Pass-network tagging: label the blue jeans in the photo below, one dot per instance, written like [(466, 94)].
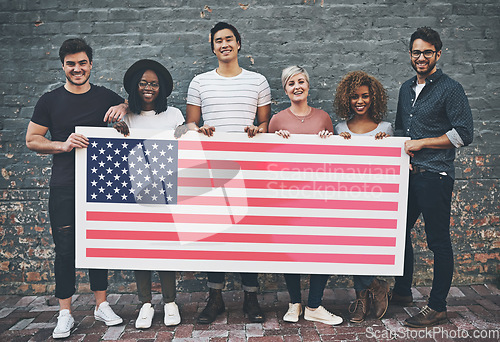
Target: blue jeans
[(62, 222), (430, 194), (316, 288), (249, 281), (362, 282)]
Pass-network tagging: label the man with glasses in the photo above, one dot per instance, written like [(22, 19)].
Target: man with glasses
[(434, 112)]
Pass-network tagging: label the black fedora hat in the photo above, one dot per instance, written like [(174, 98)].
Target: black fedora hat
[(147, 64)]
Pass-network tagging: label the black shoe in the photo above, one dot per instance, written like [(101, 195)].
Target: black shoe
[(215, 307), (252, 309), (426, 318), (397, 299)]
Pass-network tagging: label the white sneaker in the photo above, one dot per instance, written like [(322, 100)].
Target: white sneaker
[(145, 316), (293, 313), (106, 314), (172, 316), (322, 315), (65, 323)]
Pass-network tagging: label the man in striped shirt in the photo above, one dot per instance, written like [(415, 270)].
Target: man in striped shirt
[(229, 99)]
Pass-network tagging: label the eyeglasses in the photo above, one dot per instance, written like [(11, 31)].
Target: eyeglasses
[(153, 85), (427, 53)]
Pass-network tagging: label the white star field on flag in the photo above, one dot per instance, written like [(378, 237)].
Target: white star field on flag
[(132, 171)]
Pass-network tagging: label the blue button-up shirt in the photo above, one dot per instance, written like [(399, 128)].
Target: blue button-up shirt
[(441, 108)]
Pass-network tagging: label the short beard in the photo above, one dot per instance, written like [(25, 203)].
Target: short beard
[(430, 67), (77, 84)]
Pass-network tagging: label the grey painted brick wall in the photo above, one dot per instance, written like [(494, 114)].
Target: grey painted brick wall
[(328, 37)]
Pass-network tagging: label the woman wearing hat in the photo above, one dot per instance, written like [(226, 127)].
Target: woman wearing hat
[(148, 84)]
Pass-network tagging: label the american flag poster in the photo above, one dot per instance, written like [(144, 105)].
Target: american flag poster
[(233, 203)]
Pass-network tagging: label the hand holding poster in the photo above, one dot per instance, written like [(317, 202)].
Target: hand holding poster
[(230, 203)]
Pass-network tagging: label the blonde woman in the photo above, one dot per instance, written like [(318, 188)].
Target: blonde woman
[(300, 118)]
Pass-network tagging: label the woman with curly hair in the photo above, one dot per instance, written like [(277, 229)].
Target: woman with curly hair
[(361, 101)]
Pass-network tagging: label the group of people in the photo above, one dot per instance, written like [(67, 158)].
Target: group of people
[(432, 110)]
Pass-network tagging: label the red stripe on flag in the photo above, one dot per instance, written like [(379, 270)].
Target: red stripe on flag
[(368, 241), (288, 184), (291, 166), (371, 259), (288, 203), (245, 220), (378, 151)]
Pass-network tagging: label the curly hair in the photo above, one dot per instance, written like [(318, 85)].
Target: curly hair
[(349, 84)]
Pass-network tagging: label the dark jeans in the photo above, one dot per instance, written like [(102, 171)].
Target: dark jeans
[(62, 221), (317, 286), (362, 282), (248, 281), (430, 194), (167, 281)]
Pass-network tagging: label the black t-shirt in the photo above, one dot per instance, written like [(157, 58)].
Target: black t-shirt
[(60, 111)]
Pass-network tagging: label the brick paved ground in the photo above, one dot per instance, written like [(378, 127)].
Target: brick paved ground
[(472, 310)]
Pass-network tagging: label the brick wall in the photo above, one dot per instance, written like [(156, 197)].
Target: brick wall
[(328, 37)]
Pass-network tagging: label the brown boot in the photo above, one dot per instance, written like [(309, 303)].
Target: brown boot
[(215, 306), (359, 308), (379, 290)]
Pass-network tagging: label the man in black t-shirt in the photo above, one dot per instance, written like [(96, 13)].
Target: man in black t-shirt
[(77, 103)]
